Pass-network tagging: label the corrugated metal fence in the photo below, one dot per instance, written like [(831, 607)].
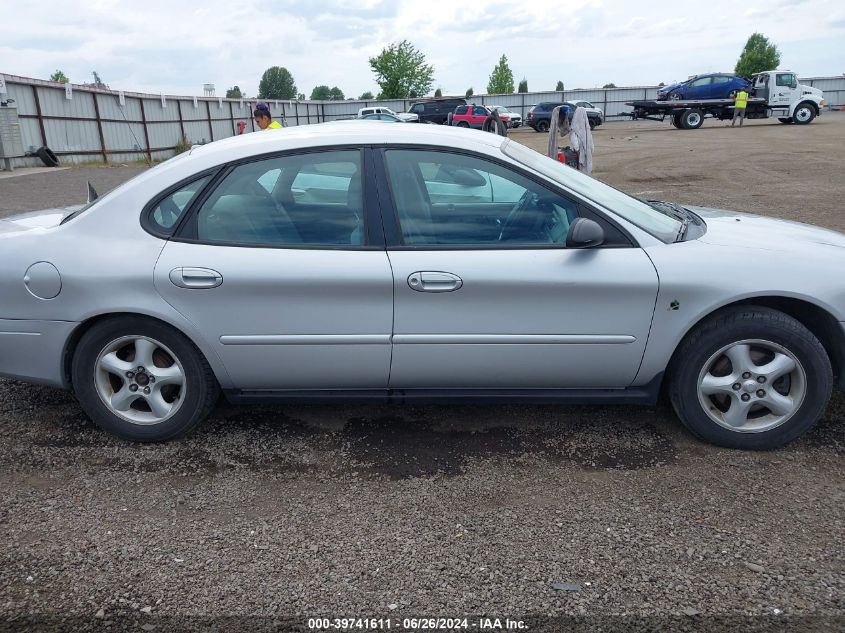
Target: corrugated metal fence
[(89, 124)]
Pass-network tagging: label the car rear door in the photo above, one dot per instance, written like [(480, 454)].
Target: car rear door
[(486, 294), (282, 269)]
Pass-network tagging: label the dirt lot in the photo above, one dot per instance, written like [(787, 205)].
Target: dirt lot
[(267, 516)]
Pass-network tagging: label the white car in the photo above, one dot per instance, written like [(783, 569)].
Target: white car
[(590, 108), (514, 117), (407, 117)]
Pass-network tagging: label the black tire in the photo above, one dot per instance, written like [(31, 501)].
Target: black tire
[(449, 119), (542, 126), (592, 123), (786, 120), (463, 124), (804, 113), (496, 127), (732, 326), (692, 119), (47, 156), (676, 120), (201, 388)]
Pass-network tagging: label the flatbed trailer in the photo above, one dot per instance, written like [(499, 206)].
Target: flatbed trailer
[(689, 115)]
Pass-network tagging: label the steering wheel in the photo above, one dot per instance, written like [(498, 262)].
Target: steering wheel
[(522, 219)]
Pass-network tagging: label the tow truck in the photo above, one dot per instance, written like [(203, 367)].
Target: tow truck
[(775, 93)]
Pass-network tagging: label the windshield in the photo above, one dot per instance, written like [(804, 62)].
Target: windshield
[(655, 222)]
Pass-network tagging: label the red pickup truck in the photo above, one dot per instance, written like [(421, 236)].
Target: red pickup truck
[(474, 116)]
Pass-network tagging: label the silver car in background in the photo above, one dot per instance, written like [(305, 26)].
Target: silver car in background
[(416, 263)]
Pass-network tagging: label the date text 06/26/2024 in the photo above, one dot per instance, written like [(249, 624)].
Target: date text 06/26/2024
[(417, 624)]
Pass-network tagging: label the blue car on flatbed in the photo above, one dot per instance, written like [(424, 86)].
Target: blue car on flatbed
[(712, 86)]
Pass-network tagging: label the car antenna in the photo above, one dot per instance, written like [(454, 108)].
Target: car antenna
[(92, 193)]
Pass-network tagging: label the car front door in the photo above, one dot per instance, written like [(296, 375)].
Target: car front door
[(280, 269), (486, 295), (699, 89)]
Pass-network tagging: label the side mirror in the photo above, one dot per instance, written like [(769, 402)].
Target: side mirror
[(584, 233)]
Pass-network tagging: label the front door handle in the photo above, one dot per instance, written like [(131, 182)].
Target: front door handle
[(434, 282), (195, 277)]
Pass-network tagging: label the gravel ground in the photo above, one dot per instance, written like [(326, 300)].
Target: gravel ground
[(268, 516)]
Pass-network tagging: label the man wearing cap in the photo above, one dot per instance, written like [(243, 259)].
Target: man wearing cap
[(264, 119)]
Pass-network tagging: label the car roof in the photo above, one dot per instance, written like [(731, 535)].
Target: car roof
[(335, 133)]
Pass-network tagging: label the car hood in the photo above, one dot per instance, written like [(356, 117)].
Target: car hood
[(668, 88), (44, 219), (729, 228)]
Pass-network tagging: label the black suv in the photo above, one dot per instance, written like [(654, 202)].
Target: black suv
[(540, 115), (437, 110)]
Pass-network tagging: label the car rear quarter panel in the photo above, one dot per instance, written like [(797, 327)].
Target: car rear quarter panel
[(106, 262)]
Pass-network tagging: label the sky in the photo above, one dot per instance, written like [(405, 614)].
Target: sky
[(176, 47)]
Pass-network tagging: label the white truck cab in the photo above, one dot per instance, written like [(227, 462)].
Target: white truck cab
[(788, 100)]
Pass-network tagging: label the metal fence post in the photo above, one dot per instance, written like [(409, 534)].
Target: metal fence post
[(181, 121), (100, 127), (146, 132), (208, 116), (40, 118)]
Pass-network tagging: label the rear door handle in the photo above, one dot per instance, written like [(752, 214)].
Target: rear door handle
[(195, 277), (424, 281)]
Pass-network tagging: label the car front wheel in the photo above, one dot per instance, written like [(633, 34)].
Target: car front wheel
[(750, 378), (142, 380)]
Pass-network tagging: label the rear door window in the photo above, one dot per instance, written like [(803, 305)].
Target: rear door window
[(316, 199)]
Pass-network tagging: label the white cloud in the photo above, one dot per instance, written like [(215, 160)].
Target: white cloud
[(159, 45)]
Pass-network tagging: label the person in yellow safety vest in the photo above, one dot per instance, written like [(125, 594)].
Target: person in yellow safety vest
[(740, 103), (264, 119)]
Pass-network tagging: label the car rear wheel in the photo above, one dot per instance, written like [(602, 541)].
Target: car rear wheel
[(141, 380), (542, 126), (751, 378)]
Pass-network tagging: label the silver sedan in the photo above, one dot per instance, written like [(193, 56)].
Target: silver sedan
[(412, 263)]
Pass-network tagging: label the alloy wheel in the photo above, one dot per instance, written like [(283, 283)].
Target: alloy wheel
[(140, 380), (752, 386)]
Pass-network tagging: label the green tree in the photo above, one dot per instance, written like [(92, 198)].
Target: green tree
[(276, 83), (501, 79), (759, 55), (469, 92), (59, 76), (366, 96), (321, 93), (523, 85), (401, 69), (336, 94), (438, 93), (234, 93), (610, 85), (300, 96), (559, 86)]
